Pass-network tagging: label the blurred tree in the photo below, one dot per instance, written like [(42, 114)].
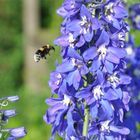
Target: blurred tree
[(30, 28), (37, 15)]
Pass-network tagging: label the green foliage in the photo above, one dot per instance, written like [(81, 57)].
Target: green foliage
[(49, 18), (10, 46)]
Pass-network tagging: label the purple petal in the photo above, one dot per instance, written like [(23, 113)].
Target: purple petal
[(65, 67), (103, 39), (62, 41), (120, 12), (100, 76), (119, 52), (84, 70), (111, 95), (83, 93), (18, 132), (81, 41), (74, 26), (88, 35), (94, 111), (125, 80), (105, 112), (62, 12), (109, 67), (84, 12), (121, 114), (52, 101), (90, 53), (73, 53), (119, 129), (95, 24), (95, 65), (112, 58), (74, 79)]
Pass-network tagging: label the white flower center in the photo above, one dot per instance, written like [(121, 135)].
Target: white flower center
[(102, 50), (114, 80), (105, 126), (73, 60), (72, 138), (57, 82), (97, 92), (86, 25), (59, 76), (66, 100), (71, 38), (121, 36), (109, 7), (84, 20), (110, 18), (72, 4)]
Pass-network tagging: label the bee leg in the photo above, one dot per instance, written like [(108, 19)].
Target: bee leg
[(53, 48), (45, 57)]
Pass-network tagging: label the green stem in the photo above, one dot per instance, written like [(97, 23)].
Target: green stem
[(86, 120)]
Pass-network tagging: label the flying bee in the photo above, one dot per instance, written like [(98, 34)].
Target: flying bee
[(42, 52)]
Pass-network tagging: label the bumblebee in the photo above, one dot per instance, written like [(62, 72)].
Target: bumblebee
[(42, 52)]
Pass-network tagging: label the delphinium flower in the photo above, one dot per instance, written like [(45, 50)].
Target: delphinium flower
[(89, 86), (135, 15), (5, 114), (132, 119)]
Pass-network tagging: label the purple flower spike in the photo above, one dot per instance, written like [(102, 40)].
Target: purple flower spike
[(90, 84)]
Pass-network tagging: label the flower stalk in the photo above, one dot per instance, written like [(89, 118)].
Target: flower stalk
[(86, 121)]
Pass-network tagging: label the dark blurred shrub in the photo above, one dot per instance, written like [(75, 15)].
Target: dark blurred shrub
[(10, 46)]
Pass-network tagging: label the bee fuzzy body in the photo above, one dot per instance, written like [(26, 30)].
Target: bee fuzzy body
[(42, 52)]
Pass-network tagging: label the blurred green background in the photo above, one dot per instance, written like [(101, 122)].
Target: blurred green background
[(19, 74), (18, 70)]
